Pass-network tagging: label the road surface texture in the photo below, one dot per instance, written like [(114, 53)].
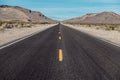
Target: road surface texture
[(60, 53)]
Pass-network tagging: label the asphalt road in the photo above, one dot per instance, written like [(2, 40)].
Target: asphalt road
[(60, 53)]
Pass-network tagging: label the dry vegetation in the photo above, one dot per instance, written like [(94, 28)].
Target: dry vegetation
[(9, 25), (107, 27)]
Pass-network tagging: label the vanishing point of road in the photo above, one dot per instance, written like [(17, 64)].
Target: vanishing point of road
[(60, 53)]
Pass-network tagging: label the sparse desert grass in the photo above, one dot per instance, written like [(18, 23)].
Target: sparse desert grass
[(0, 23), (107, 27), (9, 25)]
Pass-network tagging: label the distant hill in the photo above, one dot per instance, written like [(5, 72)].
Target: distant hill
[(15, 13), (97, 18)]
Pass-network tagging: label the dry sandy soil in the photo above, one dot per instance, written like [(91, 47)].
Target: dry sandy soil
[(109, 36), (12, 34)]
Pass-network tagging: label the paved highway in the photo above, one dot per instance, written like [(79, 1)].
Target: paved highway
[(60, 53)]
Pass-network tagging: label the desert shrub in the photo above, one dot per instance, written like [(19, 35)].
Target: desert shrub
[(10, 25), (89, 25), (2, 29), (108, 28), (44, 22), (111, 27), (0, 23), (28, 25), (97, 28), (22, 24)]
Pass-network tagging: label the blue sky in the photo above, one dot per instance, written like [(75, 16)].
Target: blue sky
[(65, 9)]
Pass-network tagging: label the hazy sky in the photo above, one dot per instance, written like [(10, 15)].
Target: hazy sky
[(65, 9)]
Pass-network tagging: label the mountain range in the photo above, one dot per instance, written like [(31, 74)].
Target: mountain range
[(16, 13), (96, 18)]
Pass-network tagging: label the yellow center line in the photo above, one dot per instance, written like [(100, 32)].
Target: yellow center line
[(59, 32), (60, 52), (60, 37), (60, 55)]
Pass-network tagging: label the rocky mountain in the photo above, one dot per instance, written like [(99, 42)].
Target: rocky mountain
[(97, 18), (15, 13)]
